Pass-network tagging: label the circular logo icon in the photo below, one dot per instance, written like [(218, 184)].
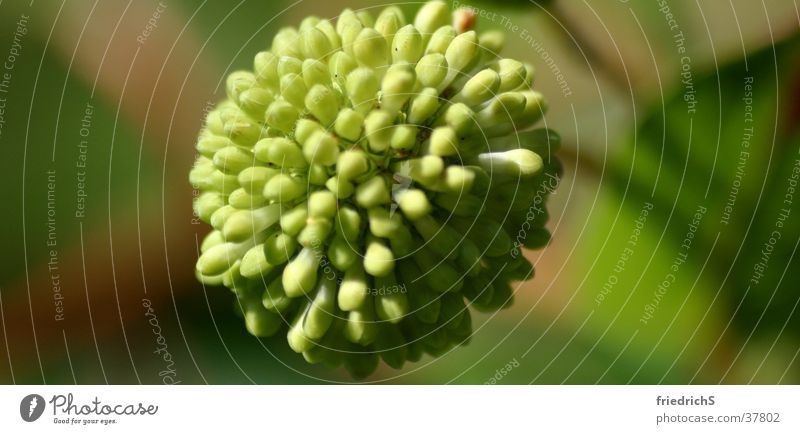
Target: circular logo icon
[(31, 407)]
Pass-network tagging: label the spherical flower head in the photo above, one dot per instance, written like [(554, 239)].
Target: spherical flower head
[(371, 181)]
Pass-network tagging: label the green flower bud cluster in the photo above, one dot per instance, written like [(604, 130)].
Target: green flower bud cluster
[(367, 182)]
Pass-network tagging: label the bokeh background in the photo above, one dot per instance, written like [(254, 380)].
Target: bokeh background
[(674, 104)]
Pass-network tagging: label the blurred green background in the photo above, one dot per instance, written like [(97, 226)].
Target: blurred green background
[(692, 105)]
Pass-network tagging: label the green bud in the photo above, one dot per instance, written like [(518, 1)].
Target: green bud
[(321, 148), (322, 204), (440, 40), (315, 72), (318, 174), (261, 322), (346, 18), (284, 188), (431, 70), (348, 223), (289, 65), (354, 289), (348, 124), (254, 101), (243, 224), (233, 159), (397, 87), (370, 49), (441, 238), (501, 109), (341, 65), (214, 238), (443, 142), (320, 313), (293, 221), (431, 16), (404, 137), (305, 128), (308, 23), (340, 187), (265, 65), (373, 192), (281, 152), (242, 131), (221, 257), (512, 74), (516, 162), (300, 275), (297, 340), (279, 247), (535, 108), (207, 203), (382, 223), (480, 88), (238, 82), (254, 263), (352, 164), (322, 103), (492, 43), (423, 106), (341, 254), (460, 54), (459, 180), (219, 216), (285, 43), (281, 115), (274, 297), (208, 145), (414, 203), (361, 327), (423, 170), (315, 232), (293, 89), (365, 18), (378, 130), (460, 118), (407, 45), (391, 304), (362, 88), (315, 44), (388, 22), (378, 259), (241, 199)]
